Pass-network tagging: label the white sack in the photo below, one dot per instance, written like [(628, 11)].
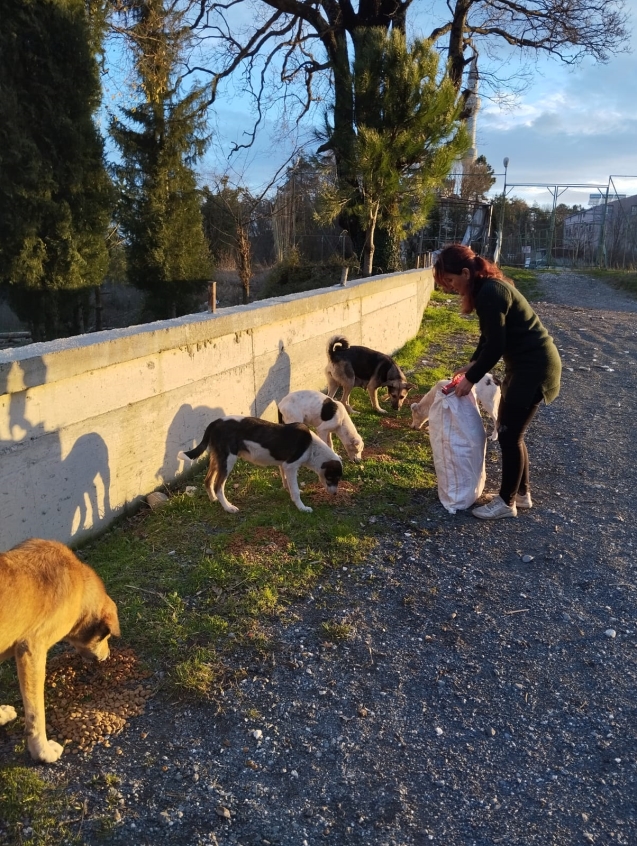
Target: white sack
[(458, 443)]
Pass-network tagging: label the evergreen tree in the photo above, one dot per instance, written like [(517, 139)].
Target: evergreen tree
[(408, 136), (55, 195), (160, 139), (477, 180)]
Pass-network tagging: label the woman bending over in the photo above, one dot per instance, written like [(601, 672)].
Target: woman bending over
[(512, 331)]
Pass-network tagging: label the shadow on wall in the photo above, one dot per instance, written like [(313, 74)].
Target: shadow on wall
[(42, 493), (189, 423), (275, 385), (185, 431)]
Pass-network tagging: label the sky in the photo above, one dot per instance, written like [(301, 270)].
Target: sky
[(570, 126)]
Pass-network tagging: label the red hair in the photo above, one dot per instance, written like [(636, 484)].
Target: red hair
[(453, 259)]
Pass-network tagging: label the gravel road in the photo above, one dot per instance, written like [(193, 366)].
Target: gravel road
[(488, 691)]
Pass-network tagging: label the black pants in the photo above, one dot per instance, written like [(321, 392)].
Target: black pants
[(513, 421)]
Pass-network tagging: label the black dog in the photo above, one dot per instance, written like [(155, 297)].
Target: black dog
[(359, 367)]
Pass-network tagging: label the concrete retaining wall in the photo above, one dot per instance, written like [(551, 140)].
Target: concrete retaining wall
[(91, 424)]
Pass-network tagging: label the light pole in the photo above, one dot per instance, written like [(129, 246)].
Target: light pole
[(504, 195)]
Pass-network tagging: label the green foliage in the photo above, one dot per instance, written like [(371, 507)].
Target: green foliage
[(477, 180), (408, 134), (531, 226), (623, 280), (334, 631), (526, 280), (295, 274), (55, 195), (29, 802), (160, 139)]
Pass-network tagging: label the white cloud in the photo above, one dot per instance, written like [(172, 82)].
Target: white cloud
[(571, 126)]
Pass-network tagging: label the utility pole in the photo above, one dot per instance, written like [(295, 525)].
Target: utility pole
[(500, 240)]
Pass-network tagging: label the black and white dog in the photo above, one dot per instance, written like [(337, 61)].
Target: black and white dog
[(265, 444), (360, 367), (326, 415)]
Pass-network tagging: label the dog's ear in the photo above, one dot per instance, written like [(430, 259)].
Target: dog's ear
[(96, 630)]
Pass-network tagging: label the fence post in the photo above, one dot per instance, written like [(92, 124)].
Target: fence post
[(344, 274), (212, 297), (601, 247)]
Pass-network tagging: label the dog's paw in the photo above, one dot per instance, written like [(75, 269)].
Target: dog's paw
[(231, 509), (380, 411), (47, 752), (305, 508), (7, 713)]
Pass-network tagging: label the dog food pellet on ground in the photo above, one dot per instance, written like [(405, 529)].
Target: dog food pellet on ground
[(89, 704)]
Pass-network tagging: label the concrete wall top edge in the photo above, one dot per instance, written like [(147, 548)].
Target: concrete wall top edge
[(36, 364)]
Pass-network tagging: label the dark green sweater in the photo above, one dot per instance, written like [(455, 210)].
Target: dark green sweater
[(512, 331)]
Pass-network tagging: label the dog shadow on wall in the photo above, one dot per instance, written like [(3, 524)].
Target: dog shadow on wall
[(275, 385), (186, 430), (42, 493), (189, 423)]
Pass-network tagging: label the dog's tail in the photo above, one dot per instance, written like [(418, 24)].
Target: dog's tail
[(195, 452), (336, 343)]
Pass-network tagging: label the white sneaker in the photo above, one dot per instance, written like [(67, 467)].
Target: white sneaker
[(523, 500), (495, 509)]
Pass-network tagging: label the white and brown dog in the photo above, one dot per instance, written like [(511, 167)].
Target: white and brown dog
[(288, 446), (48, 595), (360, 367), (328, 416), (487, 392)]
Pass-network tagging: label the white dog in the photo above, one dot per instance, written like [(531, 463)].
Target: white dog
[(487, 392), (326, 415)]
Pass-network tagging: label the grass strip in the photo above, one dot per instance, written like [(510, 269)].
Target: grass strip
[(194, 583), (622, 280)]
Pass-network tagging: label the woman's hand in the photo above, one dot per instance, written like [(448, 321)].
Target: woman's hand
[(461, 370), (463, 387)]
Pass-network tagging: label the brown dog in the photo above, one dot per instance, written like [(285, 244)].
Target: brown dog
[(360, 367), (48, 595)]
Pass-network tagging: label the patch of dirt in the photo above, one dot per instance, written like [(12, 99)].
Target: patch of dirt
[(378, 455), (268, 540), (345, 495), (391, 423)]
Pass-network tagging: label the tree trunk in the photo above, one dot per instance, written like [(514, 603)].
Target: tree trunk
[(343, 136), (456, 42), (369, 247), (244, 260)]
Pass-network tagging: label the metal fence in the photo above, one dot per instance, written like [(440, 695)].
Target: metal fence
[(602, 235)]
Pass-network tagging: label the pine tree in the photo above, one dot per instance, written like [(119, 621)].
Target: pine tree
[(55, 194), (477, 180), (160, 139), (408, 136)]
